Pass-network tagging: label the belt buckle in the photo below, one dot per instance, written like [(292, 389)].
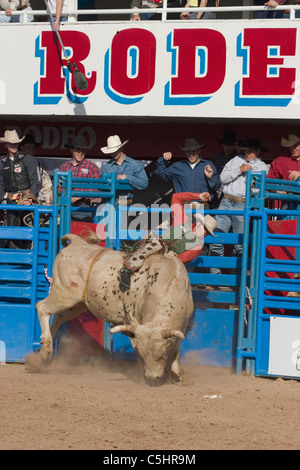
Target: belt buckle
[(232, 198)]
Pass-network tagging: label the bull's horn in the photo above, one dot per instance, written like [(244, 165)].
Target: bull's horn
[(168, 333), (123, 329)]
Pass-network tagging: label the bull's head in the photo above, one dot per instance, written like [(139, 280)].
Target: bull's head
[(153, 346)]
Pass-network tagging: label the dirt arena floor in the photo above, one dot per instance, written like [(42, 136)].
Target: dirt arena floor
[(103, 405)]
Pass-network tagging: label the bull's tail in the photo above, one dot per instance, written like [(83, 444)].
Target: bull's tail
[(91, 237), (72, 238)]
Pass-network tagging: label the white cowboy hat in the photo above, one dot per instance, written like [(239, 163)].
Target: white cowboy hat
[(11, 137), (113, 144)]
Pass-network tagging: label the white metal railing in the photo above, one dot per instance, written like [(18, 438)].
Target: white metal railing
[(71, 13)]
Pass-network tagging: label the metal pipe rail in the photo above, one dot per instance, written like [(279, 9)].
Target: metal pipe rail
[(251, 334), (163, 11)]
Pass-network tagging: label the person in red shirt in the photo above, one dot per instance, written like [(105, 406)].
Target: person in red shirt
[(287, 168), (188, 236)]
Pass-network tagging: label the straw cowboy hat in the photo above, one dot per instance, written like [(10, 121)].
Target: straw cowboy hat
[(113, 144), (11, 137), (292, 140), (209, 222), (79, 142), (252, 144), (192, 145)]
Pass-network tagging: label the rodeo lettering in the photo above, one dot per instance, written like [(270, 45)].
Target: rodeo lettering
[(197, 66)]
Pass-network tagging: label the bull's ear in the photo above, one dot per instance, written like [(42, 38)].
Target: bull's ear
[(166, 333), (125, 329)]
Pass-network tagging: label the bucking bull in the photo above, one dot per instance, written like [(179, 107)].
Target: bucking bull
[(145, 295)]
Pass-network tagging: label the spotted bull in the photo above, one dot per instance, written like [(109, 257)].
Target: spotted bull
[(154, 310)]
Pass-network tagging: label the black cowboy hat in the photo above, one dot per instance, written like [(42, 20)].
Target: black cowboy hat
[(79, 142), (191, 145), (252, 144), (30, 139), (229, 138)]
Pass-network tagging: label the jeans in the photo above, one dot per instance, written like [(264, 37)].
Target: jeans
[(209, 15), (62, 19), (282, 14), (15, 18), (225, 223), (263, 14)]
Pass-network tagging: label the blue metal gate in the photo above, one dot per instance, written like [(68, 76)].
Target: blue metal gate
[(22, 284), (268, 291)]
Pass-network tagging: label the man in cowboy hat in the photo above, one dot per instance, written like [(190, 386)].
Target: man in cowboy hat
[(287, 168), (193, 174), (81, 168), (229, 150), (19, 176), (126, 168), (229, 145), (233, 179), (29, 145)]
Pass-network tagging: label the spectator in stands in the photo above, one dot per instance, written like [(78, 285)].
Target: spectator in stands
[(29, 145), (200, 15), (266, 13), (154, 4), (81, 168), (288, 168), (282, 13), (229, 150), (144, 4), (9, 6), (126, 168), (193, 174), (188, 236), (59, 6), (233, 179), (19, 178), (86, 5)]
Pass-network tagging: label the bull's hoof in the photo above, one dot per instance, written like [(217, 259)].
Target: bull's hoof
[(46, 349), (177, 379)]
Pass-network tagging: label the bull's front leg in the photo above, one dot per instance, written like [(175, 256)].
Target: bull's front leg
[(44, 318)]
